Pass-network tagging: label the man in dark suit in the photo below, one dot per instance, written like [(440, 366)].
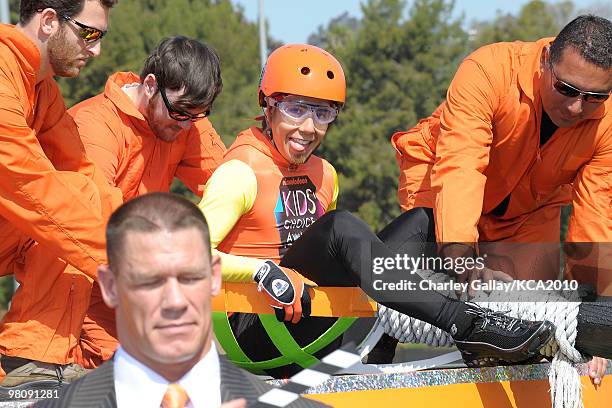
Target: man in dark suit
[(160, 281)]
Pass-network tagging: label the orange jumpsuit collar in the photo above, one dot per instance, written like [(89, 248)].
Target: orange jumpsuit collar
[(24, 50), (113, 91)]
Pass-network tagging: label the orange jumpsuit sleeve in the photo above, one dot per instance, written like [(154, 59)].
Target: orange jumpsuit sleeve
[(462, 153), (67, 152), (100, 140), (591, 218), (203, 154), (590, 224), (58, 207)]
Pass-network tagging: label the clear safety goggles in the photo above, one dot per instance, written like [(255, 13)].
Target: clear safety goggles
[(300, 111)]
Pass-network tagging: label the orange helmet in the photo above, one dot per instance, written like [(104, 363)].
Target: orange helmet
[(302, 69)]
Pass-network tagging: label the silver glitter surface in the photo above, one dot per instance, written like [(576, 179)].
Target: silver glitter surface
[(425, 378)]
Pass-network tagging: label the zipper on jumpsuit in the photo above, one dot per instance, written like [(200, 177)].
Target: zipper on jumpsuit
[(70, 311)]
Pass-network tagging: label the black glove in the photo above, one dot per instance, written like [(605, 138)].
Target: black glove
[(281, 284)]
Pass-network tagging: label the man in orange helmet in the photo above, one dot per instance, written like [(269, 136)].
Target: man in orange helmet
[(270, 208), (525, 129), (49, 191)]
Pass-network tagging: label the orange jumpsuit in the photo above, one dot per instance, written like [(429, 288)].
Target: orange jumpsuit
[(482, 145), (119, 141), (49, 192)]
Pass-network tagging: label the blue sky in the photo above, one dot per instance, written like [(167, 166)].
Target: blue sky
[(294, 20)]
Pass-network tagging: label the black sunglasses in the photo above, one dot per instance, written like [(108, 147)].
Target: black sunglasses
[(89, 34), (570, 91), (180, 115)]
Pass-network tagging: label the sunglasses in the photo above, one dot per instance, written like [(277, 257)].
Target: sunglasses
[(179, 115), (300, 111), (570, 91), (89, 34)]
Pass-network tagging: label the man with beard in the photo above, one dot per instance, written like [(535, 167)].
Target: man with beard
[(51, 195), (143, 131)]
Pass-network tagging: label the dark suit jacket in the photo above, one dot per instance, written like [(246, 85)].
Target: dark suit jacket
[(97, 389)]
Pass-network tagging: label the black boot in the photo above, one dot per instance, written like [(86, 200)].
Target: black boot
[(495, 338)]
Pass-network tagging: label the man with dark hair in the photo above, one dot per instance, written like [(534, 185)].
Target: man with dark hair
[(187, 68), (52, 198), (160, 280), (525, 128), (141, 132), (144, 131), (156, 122)]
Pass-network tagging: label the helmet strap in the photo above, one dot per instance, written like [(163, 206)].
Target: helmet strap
[(267, 130)]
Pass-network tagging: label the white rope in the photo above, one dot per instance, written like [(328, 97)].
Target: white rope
[(560, 308)]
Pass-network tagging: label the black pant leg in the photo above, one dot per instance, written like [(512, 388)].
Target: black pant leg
[(416, 225), (329, 253)]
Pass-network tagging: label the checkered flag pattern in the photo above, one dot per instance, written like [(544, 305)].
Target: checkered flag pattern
[(311, 377)]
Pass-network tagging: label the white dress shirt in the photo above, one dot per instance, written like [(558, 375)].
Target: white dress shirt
[(136, 385)]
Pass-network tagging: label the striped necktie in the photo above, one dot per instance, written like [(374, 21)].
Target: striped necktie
[(175, 397)]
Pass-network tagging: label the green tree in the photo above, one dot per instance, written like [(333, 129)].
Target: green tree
[(339, 31), (536, 19), (14, 11)]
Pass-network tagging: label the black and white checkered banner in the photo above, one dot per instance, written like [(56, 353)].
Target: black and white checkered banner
[(335, 362)]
